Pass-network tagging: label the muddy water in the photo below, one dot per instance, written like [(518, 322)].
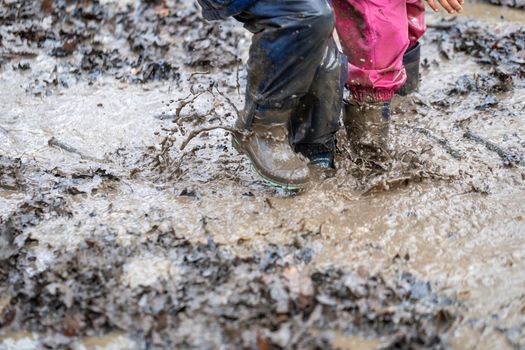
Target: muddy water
[(460, 225)]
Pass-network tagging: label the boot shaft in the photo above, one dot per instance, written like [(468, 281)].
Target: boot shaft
[(367, 127)]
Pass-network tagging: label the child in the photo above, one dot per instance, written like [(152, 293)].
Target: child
[(293, 93), (380, 38)]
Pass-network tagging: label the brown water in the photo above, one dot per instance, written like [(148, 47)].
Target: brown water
[(463, 230)]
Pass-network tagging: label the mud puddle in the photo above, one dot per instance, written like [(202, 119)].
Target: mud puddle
[(114, 238)]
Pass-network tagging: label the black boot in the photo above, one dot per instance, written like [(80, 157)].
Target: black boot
[(411, 60), (367, 128)]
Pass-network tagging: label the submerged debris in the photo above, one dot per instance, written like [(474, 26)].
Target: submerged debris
[(71, 32), (237, 302), (28, 214), (10, 174), (486, 46), (511, 3)]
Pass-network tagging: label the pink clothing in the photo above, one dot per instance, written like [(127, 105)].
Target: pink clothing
[(374, 35)]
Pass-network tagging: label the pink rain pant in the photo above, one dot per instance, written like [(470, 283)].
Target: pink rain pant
[(374, 35)]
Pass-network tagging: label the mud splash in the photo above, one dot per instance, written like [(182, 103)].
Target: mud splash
[(132, 243)]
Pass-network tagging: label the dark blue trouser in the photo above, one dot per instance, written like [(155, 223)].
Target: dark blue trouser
[(294, 63)]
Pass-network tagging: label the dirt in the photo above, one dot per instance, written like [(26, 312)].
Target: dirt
[(112, 237)]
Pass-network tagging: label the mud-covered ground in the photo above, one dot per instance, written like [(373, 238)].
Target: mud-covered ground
[(128, 222)]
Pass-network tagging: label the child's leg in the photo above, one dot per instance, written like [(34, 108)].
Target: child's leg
[(374, 36), (288, 44), (289, 40)]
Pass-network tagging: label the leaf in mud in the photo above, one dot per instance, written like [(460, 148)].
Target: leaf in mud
[(7, 312), (464, 85), (419, 290), (446, 49), (67, 48), (47, 6), (162, 10), (355, 285), (65, 292), (297, 282), (444, 318), (7, 236), (326, 300), (281, 337), (188, 193), (262, 343), (10, 173), (24, 65), (89, 174), (489, 101), (74, 191), (71, 325)]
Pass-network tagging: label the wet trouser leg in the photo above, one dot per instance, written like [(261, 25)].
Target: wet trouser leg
[(289, 41), (416, 21), (316, 118)]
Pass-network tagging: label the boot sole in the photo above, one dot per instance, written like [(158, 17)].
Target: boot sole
[(273, 183)]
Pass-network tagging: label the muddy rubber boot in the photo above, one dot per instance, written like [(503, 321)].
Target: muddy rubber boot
[(411, 61), (367, 128), (267, 145), (320, 155)]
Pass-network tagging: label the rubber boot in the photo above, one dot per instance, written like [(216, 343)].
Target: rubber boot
[(266, 143), (411, 61), (367, 128)]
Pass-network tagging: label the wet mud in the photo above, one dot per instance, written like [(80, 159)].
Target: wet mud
[(128, 222)]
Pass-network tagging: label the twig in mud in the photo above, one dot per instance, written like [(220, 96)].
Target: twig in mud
[(195, 117), (163, 157), (345, 196), (389, 184), (507, 157), (404, 180), (186, 102), (442, 141), (166, 145), (196, 133), (18, 54), (198, 73), (54, 142), (184, 98), (402, 156), (229, 101), (177, 168), (237, 79)]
